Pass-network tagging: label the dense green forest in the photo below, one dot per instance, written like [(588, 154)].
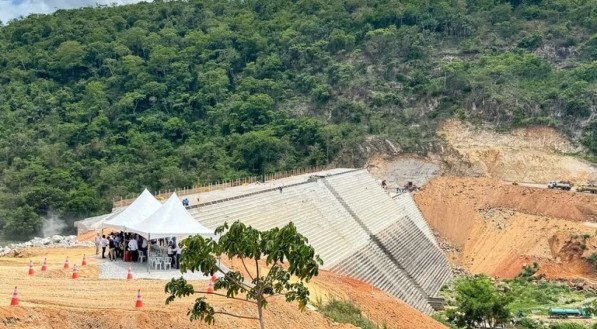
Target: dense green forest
[(97, 103)]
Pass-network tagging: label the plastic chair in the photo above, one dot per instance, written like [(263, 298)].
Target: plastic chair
[(157, 263), (141, 256), (167, 263)]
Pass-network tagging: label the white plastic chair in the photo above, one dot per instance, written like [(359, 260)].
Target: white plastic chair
[(157, 263), (167, 263), (141, 256)]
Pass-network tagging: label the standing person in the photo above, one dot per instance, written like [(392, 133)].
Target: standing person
[(97, 241), (121, 249), (177, 251), (134, 249), (171, 253), (117, 244), (144, 247), (103, 244), (112, 244)]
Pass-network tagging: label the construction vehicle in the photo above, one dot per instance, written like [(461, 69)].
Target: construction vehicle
[(562, 185), (410, 187), (563, 313), (587, 188)]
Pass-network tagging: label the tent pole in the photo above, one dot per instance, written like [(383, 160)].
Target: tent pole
[(148, 249)]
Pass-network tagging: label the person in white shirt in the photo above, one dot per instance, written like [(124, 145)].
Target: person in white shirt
[(134, 249), (97, 241), (103, 244), (171, 254), (177, 251)]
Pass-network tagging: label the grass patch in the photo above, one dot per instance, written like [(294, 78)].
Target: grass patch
[(529, 297), (539, 296), (344, 311)]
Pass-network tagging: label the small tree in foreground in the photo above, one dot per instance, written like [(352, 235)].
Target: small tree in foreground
[(277, 246)]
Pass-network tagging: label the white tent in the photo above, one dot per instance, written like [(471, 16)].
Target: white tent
[(171, 220), (145, 205)]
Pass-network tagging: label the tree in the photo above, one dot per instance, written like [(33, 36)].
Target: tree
[(479, 303), (22, 222), (285, 251)]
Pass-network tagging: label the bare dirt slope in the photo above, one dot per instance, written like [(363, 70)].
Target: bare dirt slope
[(498, 228), (53, 300), (401, 169), (537, 154), (531, 155)]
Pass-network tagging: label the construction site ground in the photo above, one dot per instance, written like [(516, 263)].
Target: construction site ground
[(54, 300), (498, 228)]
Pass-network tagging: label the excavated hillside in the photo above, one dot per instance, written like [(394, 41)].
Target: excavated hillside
[(496, 228), (535, 155), (53, 300), (532, 155)]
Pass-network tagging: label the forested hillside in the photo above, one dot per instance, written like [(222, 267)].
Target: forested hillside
[(99, 102)]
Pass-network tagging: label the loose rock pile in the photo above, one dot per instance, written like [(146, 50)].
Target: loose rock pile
[(56, 241)]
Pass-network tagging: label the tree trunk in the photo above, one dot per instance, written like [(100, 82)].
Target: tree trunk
[(259, 297), (260, 312)]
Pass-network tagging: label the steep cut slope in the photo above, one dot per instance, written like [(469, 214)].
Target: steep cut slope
[(498, 228)]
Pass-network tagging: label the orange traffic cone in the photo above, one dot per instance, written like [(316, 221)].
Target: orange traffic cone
[(44, 266), (210, 286), (31, 271), (129, 275), (14, 301), (84, 262), (66, 263), (139, 302), (75, 272)]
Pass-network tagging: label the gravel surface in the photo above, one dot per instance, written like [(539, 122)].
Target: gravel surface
[(119, 269)]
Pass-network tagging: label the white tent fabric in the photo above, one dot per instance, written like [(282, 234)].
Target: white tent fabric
[(145, 205), (171, 220)]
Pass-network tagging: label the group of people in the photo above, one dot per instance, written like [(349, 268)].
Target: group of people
[(121, 245), (127, 246)]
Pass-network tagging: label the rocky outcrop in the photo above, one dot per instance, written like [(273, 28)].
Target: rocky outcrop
[(55, 241)]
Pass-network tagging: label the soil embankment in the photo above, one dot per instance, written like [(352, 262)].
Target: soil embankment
[(54, 300), (498, 228)]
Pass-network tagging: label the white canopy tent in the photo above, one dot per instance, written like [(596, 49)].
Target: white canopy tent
[(145, 205), (171, 220)]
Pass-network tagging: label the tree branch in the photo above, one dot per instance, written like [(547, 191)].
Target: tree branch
[(236, 316), (246, 269), (242, 284), (215, 293)]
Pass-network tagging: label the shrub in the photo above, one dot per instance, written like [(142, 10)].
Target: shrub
[(592, 259), (344, 311), (529, 270), (529, 324)]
